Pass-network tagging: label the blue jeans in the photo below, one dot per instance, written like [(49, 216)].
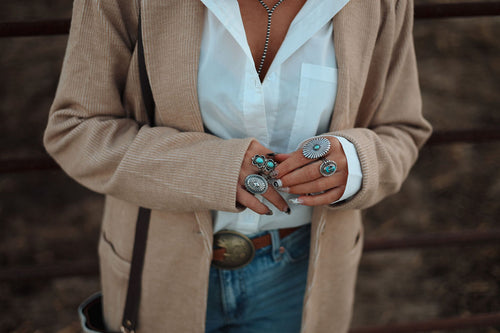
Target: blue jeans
[(267, 294)]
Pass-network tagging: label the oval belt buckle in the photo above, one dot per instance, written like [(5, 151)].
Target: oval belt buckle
[(239, 249)]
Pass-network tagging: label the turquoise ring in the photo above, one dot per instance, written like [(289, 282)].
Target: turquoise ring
[(256, 184), (327, 168), (266, 165), (316, 148)]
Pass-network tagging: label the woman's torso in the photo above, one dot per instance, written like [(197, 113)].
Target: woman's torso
[(293, 102)]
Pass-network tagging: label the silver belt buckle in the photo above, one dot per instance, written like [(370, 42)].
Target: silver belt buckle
[(239, 249)]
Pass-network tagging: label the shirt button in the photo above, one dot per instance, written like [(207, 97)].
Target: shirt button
[(271, 76), (257, 83)]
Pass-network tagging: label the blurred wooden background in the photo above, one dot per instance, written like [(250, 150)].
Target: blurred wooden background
[(47, 218)]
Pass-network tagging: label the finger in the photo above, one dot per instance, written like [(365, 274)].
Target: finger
[(319, 185), (250, 201), (326, 198), (277, 200), (295, 160), (302, 175)]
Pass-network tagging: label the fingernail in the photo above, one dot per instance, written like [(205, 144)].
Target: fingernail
[(284, 189), (274, 173), (270, 213), (277, 183), (296, 201)]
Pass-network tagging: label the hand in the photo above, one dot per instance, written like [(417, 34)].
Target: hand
[(247, 199), (300, 175)]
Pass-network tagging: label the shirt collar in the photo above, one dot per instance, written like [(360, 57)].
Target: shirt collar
[(311, 18), (228, 13)]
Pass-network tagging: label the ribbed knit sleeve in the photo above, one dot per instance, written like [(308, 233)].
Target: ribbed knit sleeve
[(389, 127), (95, 131)]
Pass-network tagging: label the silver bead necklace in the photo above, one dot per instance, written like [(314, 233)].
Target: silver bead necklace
[(268, 33)]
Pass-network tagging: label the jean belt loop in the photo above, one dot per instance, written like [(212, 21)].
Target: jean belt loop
[(276, 244)]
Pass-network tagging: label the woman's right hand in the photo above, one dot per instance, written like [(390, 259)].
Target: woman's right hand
[(247, 199)]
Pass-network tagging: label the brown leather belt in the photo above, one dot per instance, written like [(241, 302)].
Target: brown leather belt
[(234, 250)]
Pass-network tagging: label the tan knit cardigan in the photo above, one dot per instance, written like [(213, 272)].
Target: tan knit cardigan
[(97, 133)]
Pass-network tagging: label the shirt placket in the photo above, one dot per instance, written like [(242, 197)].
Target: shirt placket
[(271, 92), (254, 108)]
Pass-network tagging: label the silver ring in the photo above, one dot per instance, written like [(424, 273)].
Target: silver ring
[(256, 184), (258, 161), (277, 183), (316, 148), (264, 164), (327, 168)]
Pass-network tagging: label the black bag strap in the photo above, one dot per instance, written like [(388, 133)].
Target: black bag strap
[(147, 94), (131, 311)]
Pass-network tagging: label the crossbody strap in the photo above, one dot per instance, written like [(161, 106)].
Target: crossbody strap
[(147, 94), (131, 311)]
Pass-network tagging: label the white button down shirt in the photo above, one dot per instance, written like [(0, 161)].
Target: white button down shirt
[(294, 102)]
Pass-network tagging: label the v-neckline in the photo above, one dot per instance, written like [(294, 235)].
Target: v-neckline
[(262, 40), (229, 14)]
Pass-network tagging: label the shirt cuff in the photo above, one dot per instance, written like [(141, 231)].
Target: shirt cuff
[(355, 176)]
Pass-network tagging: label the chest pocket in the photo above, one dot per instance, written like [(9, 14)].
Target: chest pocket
[(317, 93)]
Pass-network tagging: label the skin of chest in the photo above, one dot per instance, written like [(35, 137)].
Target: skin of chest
[(255, 18)]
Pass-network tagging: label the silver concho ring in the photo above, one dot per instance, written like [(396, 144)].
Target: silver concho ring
[(327, 168), (256, 184), (316, 148)]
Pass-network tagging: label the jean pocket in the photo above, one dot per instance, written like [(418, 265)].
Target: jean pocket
[(297, 244)]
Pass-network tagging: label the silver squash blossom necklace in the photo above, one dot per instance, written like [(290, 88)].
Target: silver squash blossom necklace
[(268, 33)]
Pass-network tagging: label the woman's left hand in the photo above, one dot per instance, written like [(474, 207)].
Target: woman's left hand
[(300, 175)]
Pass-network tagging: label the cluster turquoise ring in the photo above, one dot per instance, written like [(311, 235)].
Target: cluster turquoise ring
[(327, 168), (264, 164)]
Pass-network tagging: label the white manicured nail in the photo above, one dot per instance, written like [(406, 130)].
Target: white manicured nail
[(296, 201)]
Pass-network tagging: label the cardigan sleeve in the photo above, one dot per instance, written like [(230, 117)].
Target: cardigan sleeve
[(95, 135), (388, 134)]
